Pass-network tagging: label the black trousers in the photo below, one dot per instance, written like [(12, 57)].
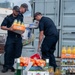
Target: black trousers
[(13, 49), (48, 48)]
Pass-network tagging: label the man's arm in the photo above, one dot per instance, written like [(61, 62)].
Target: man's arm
[(40, 39), (5, 28), (4, 24)]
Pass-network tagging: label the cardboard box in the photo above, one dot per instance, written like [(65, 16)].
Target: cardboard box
[(18, 31), (18, 26), (37, 73)]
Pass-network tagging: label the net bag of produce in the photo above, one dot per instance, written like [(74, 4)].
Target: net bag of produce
[(28, 37), (18, 27)]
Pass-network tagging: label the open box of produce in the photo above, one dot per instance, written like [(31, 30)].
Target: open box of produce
[(30, 66), (25, 66)]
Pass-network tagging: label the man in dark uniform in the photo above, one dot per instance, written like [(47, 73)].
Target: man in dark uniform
[(48, 29), (23, 8), (13, 46)]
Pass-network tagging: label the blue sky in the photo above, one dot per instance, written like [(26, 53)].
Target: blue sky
[(19, 2)]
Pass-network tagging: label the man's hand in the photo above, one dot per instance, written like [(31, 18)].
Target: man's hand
[(10, 29), (23, 31), (5, 28)]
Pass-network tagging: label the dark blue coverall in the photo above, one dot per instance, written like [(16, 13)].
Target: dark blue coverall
[(13, 46), (50, 40)]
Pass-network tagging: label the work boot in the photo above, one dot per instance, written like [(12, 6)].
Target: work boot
[(4, 70), (12, 69)]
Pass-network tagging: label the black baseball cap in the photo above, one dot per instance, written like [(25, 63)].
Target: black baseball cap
[(36, 14), (16, 8), (24, 5)]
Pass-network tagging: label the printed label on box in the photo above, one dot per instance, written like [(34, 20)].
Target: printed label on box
[(37, 73)]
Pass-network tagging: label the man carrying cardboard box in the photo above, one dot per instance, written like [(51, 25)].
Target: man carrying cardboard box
[(13, 46)]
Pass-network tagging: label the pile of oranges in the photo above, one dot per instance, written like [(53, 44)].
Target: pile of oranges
[(24, 61)]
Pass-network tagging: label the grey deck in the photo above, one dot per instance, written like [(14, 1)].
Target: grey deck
[(8, 73)]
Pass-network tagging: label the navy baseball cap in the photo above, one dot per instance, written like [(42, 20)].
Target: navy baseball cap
[(36, 14), (16, 8)]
